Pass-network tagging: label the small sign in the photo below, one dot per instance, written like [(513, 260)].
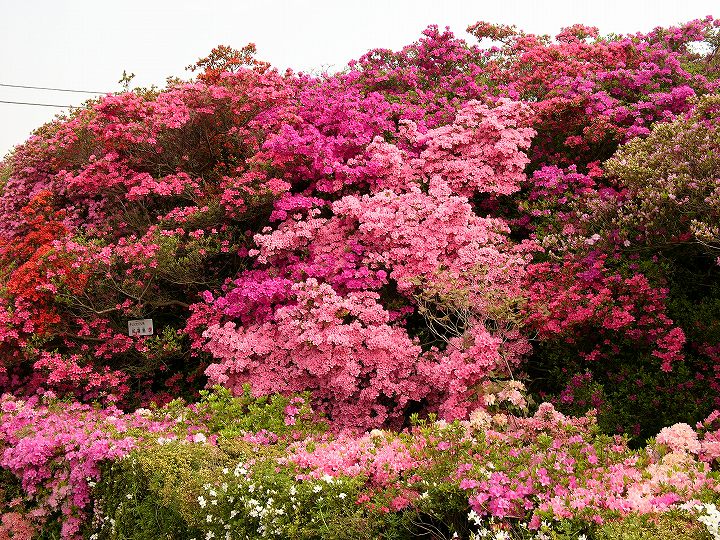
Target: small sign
[(140, 327)]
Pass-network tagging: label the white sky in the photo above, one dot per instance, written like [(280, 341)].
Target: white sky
[(87, 44)]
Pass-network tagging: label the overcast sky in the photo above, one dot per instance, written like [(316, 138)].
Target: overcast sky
[(86, 45)]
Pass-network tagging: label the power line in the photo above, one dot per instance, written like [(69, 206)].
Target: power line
[(36, 104), (53, 89)]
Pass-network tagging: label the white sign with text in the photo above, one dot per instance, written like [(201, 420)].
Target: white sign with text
[(140, 327)]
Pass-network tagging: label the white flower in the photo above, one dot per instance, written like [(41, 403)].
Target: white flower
[(201, 501), (327, 478), (342, 495), (473, 517), (199, 438), (317, 488)]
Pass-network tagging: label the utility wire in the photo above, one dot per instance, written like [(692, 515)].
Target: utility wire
[(53, 89), (37, 104)]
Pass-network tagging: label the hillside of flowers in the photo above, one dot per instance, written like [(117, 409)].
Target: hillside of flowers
[(467, 289)]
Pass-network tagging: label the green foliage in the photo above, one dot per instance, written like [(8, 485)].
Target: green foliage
[(185, 490), (152, 493), (670, 178), (269, 503), (566, 529), (231, 416), (183, 262), (9, 487), (167, 342), (668, 526), (628, 392), (672, 525), (5, 173)]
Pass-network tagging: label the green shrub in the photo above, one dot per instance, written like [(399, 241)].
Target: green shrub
[(152, 493), (669, 526), (231, 416)]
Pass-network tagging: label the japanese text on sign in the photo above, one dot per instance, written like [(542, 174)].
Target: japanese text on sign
[(140, 327)]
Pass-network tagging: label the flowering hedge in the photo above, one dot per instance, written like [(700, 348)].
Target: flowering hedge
[(492, 474), (422, 235)]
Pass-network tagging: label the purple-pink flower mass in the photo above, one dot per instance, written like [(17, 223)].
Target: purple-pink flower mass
[(453, 291)]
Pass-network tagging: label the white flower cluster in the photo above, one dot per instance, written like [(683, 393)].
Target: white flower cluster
[(240, 470), (487, 533), (484, 531), (166, 440), (709, 516), (214, 516), (245, 504), (490, 531)]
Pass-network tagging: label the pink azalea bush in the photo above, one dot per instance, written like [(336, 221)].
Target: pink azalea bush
[(346, 348), (55, 450)]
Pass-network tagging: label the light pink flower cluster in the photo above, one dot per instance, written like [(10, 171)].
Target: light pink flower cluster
[(339, 347)]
